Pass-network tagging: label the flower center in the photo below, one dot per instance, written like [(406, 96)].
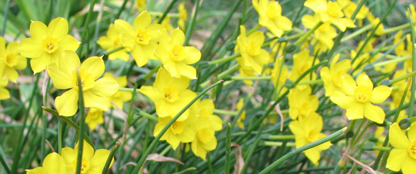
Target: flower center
[(204, 135), (10, 60), (171, 94), (94, 113), (85, 165), (312, 136), (177, 53), (177, 127), (362, 93), (143, 37), (412, 150), (117, 42), (253, 49), (50, 44), (273, 10), (87, 80)]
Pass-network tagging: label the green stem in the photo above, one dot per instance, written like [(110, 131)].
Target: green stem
[(113, 51), (265, 78), (228, 150), (311, 82), (110, 158), (275, 164), (148, 75), (121, 9), (156, 13), (413, 87), (397, 28), (281, 137), (226, 59), (86, 29), (258, 26), (403, 77), (151, 117), (307, 34), (191, 24), (278, 144), (81, 123), (356, 33), (165, 13), (157, 138), (6, 12), (220, 76)]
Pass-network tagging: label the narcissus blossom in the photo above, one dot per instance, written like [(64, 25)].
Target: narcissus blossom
[(302, 61), (331, 12), (10, 60), (93, 161), (175, 57), (96, 92), (242, 117), (4, 93), (205, 141), (169, 94), (403, 156), (357, 98), (47, 43), (119, 97), (52, 164), (332, 76), (183, 15), (307, 130), (94, 118), (141, 39), (302, 102), (112, 41), (179, 131), (270, 13)]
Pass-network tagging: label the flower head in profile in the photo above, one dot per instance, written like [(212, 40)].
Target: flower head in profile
[(252, 55), (169, 94), (332, 76), (242, 117), (10, 60), (140, 4), (307, 130), (302, 102), (141, 39), (358, 98), (175, 57), (403, 156), (4, 93), (96, 90), (324, 34), (204, 141), (120, 96), (331, 12), (302, 61), (47, 43), (93, 161), (270, 13), (52, 164), (112, 41), (94, 118), (178, 132), (183, 15)]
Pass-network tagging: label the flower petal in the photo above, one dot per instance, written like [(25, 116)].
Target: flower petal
[(60, 79), (363, 79), (38, 30), (67, 103), (177, 37), (58, 28), (356, 111), (94, 65), (380, 94), (343, 101), (397, 137), (30, 48), (93, 100), (69, 43), (143, 20), (374, 113), (408, 165), (396, 158), (99, 159), (105, 86), (54, 163)]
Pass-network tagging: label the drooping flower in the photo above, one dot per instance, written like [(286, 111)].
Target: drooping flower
[(96, 92), (252, 55), (204, 116), (4, 93), (270, 13), (179, 131), (307, 130), (302, 61), (242, 117), (169, 94), (183, 15), (403, 50), (175, 57), (10, 60), (47, 43), (398, 89), (324, 34), (94, 118), (357, 98), (302, 102), (93, 162), (349, 7), (205, 141), (332, 76), (279, 75), (112, 41), (141, 39), (403, 156), (331, 12), (52, 164), (374, 21), (120, 96)]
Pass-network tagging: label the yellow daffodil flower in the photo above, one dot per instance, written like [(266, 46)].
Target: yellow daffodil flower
[(403, 50), (175, 57), (183, 15), (140, 5), (120, 96), (242, 117), (398, 90), (112, 41), (47, 43), (95, 91), (302, 102), (169, 94), (141, 39), (374, 21), (332, 76), (349, 7), (270, 13), (252, 54), (10, 60), (302, 61), (279, 75), (4, 93), (307, 130), (92, 161), (179, 131), (166, 23), (363, 59), (324, 34), (52, 164), (331, 12), (403, 156), (205, 141), (94, 118), (358, 97), (204, 115)]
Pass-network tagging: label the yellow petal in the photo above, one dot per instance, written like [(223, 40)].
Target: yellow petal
[(408, 165), (296, 128), (397, 138), (96, 101), (58, 28), (177, 37), (363, 79), (348, 84), (396, 158), (355, 111), (69, 43), (412, 134), (30, 48), (40, 63), (143, 20), (11, 74), (316, 5), (380, 94), (313, 155), (187, 71), (37, 170), (67, 103), (309, 21), (127, 31), (54, 163), (60, 79), (344, 102), (4, 94), (38, 30), (374, 113), (100, 158), (94, 65), (192, 55), (105, 86)]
